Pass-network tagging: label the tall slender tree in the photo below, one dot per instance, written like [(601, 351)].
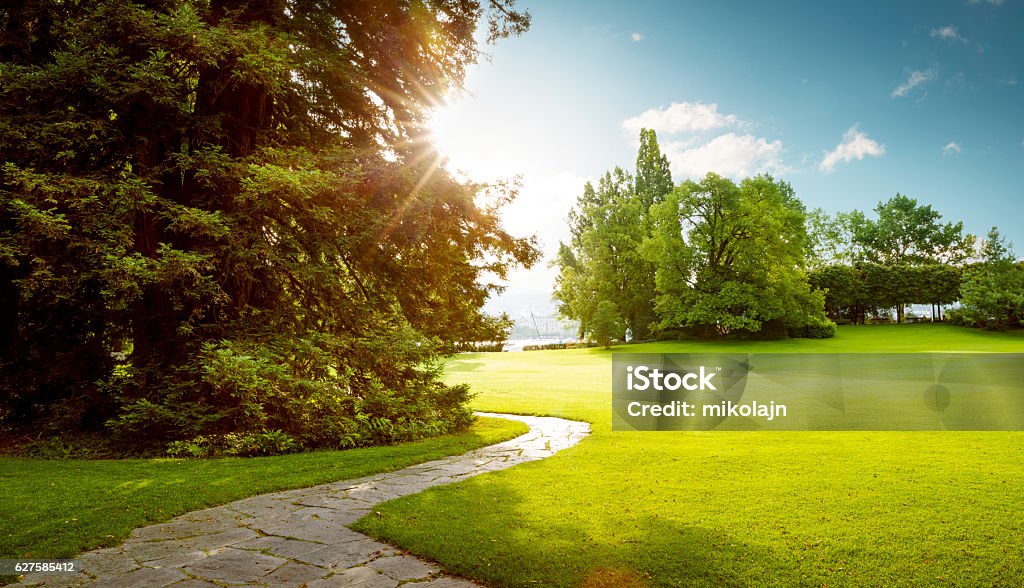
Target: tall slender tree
[(609, 225)]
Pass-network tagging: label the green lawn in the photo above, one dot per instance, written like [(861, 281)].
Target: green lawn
[(724, 508), (54, 509)]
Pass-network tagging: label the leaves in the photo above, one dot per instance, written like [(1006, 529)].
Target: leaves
[(236, 201), (730, 258)]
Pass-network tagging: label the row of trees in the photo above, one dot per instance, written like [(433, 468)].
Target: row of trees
[(716, 257), (857, 292), (908, 255), (222, 217)]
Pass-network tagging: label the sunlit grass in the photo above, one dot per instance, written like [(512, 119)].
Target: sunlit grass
[(57, 508), (724, 508)]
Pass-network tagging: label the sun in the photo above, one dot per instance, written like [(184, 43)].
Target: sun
[(474, 146)]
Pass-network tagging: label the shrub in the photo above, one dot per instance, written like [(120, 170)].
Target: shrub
[(671, 335), (817, 330), (234, 444)]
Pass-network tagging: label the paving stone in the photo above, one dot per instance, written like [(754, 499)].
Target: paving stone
[(62, 580), (107, 562), (317, 531), (193, 583), (235, 566), (221, 539), (294, 574), (147, 551), (279, 546), (361, 577), (149, 577), (344, 555), (300, 536), (403, 567)]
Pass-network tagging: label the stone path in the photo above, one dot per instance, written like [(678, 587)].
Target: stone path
[(300, 537)]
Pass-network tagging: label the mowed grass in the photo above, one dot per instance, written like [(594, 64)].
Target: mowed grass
[(58, 508), (724, 508)]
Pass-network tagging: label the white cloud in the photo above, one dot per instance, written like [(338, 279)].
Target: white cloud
[(729, 154), (916, 78), (948, 33), (681, 117), (993, 2), (637, 37), (951, 148), (855, 145)]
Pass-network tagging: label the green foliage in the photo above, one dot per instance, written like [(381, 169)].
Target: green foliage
[(234, 444), (604, 260), (907, 233), (607, 325), (730, 258), (819, 330), (221, 218), (855, 292), (993, 291), (829, 239)]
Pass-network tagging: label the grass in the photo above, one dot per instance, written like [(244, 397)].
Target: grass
[(56, 509), (724, 508)]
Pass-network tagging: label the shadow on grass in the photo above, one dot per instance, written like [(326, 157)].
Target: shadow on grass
[(494, 541)]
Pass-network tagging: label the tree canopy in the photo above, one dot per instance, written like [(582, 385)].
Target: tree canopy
[(906, 232), (222, 216), (603, 261), (993, 290), (731, 257)]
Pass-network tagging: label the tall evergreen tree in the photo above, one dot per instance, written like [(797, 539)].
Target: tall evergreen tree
[(222, 216)]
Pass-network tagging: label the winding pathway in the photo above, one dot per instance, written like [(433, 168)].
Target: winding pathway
[(300, 536)]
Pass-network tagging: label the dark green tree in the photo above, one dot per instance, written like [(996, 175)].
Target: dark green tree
[(222, 216), (843, 288), (906, 234), (607, 324)]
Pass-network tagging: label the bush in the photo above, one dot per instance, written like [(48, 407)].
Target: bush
[(262, 408), (822, 330), (235, 444), (671, 335)]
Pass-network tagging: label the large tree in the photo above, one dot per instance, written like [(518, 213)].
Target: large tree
[(731, 258), (222, 216), (603, 261), (906, 232)]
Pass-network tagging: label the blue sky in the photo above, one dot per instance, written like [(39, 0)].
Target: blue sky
[(850, 104)]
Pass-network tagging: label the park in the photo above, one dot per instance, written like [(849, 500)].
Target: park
[(506, 293)]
